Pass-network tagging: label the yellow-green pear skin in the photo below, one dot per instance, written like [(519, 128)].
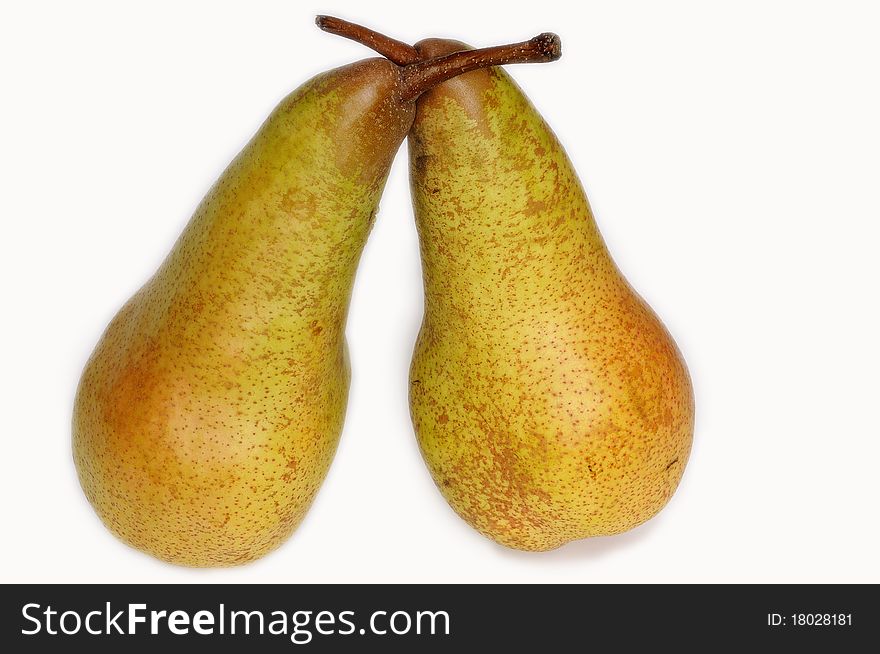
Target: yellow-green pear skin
[(208, 415), (549, 402)]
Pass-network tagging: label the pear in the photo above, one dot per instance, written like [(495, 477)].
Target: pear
[(549, 401), (209, 412)]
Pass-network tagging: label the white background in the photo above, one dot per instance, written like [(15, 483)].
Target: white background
[(731, 151)]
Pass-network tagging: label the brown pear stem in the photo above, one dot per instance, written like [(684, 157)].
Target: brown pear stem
[(424, 75), (396, 51), (419, 75)]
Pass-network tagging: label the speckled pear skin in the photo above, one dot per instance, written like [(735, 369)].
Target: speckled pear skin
[(209, 413), (549, 402)]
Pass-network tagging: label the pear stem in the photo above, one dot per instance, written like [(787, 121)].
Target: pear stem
[(426, 74), (396, 51), (418, 75)]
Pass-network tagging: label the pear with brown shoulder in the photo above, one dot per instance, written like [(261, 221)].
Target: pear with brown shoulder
[(210, 410), (549, 402)]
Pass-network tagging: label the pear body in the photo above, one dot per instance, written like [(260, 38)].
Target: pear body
[(208, 414), (549, 402)]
